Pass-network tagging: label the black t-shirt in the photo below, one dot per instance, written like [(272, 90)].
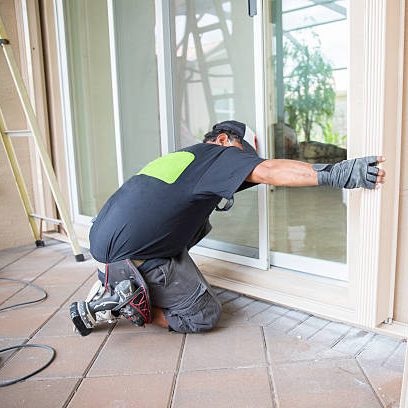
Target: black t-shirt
[(157, 212)]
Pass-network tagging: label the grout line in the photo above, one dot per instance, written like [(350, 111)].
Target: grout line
[(340, 338), (33, 280), (272, 385), (32, 335), (392, 353), (259, 312), (318, 331), (363, 346), (229, 300), (177, 372), (270, 322), (18, 258), (299, 323), (373, 389), (241, 307), (86, 371)]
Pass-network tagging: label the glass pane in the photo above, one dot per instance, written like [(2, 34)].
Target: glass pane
[(214, 81), (136, 66), (307, 52), (91, 101)]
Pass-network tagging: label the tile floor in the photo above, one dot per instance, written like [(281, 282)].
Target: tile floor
[(261, 354)]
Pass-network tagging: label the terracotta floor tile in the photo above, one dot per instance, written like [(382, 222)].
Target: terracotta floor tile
[(124, 326), (244, 388), (10, 255), (8, 342), (30, 267), (386, 382), (288, 321), (56, 295), (82, 291), (224, 348), (61, 325), (8, 289), (236, 304), (309, 328), (236, 319), (132, 391), (270, 315), (284, 348), (330, 334), (324, 383), (20, 323), (73, 355), (396, 360), (354, 341), (137, 354), (37, 394), (67, 271)]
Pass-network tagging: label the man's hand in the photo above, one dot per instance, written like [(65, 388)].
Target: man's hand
[(354, 173)]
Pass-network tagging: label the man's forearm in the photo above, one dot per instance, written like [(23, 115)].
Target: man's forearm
[(353, 173), (282, 172)]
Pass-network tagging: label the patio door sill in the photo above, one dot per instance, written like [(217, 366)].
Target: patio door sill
[(320, 296)]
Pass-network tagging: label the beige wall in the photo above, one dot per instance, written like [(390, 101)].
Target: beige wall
[(401, 291), (14, 228)]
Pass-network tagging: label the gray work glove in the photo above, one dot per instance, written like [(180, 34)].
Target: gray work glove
[(361, 172)]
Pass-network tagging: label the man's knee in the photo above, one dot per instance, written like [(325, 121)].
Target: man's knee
[(202, 316)]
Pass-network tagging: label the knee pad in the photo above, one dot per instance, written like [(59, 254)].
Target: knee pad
[(124, 293)]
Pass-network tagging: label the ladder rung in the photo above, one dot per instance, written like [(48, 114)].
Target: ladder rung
[(218, 62), (51, 220), (223, 96), (210, 27), (17, 133)]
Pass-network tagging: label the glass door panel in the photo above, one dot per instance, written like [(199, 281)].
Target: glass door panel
[(135, 73), (307, 58), (213, 76), (87, 40)]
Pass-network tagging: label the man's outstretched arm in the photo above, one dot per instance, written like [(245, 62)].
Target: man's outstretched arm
[(354, 173)]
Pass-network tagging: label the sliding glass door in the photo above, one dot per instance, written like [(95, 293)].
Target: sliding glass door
[(281, 71), (213, 72), (306, 45)]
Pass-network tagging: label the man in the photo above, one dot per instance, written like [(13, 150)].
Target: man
[(146, 228)]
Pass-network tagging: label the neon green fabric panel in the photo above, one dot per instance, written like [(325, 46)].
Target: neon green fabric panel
[(168, 168)]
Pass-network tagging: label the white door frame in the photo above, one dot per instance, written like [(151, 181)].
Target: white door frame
[(377, 29)]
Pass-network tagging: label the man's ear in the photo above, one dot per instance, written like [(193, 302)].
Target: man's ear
[(222, 139)]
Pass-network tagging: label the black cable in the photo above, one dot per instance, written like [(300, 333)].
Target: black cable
[(25, 303), (20, 346), (43, 346)]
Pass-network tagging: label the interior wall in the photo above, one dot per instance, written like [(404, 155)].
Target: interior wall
[(401, 298), (14, 227)]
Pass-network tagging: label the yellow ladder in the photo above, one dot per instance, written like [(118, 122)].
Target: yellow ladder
[(34, 132)]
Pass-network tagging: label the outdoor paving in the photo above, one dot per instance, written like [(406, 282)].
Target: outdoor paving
[(260, 355)]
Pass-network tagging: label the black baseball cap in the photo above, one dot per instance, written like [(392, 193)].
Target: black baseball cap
[(231, 126), (241, 130)]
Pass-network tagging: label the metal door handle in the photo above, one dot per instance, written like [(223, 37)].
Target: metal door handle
[(252, 11)]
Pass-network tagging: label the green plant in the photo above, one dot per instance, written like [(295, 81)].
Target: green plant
[(333, 137), (309, 88)]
